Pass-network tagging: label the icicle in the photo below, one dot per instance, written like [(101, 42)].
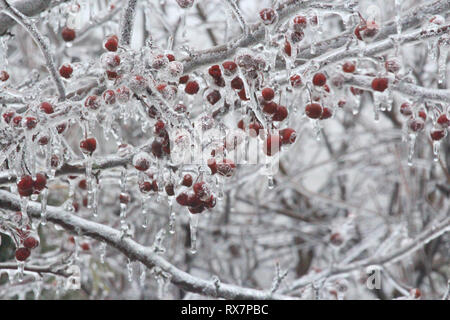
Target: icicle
[(172, 216), (442, 64), (44, 206), (123, 194), (144, 210), (68, 205), (193, 224), (436, 148), (89, 181), (219, 187), (412, 142), (20, 269), (398, 11), (102, 252), (270, 182), (24, 206), (143, 275), (130, 270), (317, 129)]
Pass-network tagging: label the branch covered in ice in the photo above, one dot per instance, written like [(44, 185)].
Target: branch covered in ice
[(126, 26), (135, 251), (435, 231), (256, 34), (56, 270), (40, 41)]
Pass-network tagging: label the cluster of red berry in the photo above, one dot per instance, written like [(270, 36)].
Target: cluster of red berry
[(199, 199), (26, 186)]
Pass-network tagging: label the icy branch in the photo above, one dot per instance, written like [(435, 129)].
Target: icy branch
[(239, 17), (59, 271), (437, 230), (40, 41), (135, 251), (256, 34), (126, 26)]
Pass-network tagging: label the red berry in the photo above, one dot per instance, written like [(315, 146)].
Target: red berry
[(287, 48), (229, 68), (22, 254), (111, 74), (66, 71), (145, 186), (423, 114), (270, 107), (187, 180), (288, 136), (4, 76), (326, 113), (170, 190), (82, 184), (297, 36), (437, 134), (313, 110), (182, 199), (201, 190), (210, 203), (40, 182), (240, 124), (68, 34), (214, 71), (141, 162), (417, 124), (226, 168), (191, 87), (319, 79), (60, 128), (124, 198), (88, 145), (30, 122), (213, 97), (30, 243), (157, 149), (405, 109), (296, 81), (349, 67), (237, 83), (17, 121), (243, 95), (25, 186), (171, 57), (392, 66), (109, 96), (272, 144), (300, 22), (360, 28), (184, 79), (380, 84), (280, 114), (46, 107), (92, 102), (112, 43), (43, 140), (7, 116), (443, 120), (356, 91), (85, 246), (268, 16), (268, 94), (197, 209), (212, 165)]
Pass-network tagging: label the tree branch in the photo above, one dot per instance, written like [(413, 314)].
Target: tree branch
[(135, 251)]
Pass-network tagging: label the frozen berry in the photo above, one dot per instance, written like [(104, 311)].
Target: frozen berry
[(46, 107), (380, 84), (349, 67), (88, 145), (313, 110), (288, 136), (66, 71), (68, 34), (237, 83), (30, 243), (4, 76), (192, 87), (40, 182), (112, 43), (25, 186), (268, 16), (22, 254), (187, 180), (319, 79), (268, 94)]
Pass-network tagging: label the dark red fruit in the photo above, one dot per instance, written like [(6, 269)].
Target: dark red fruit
[(300, 22), (25, 186), (22, 254), (88, 145), (380, 84), (109, 96), (30, 122), (170, 190), (213, 97), (182, 199), (280, 114), (226, 168), (313, 110), (212, 165), (268, 16), (287, 48), (112, 43), (443, 121), (296, 81), (349, 67), (268, 94), (319, 79), (405, 109), (288, 136), (214, 71), (4, 76), (187, 180), (270, 107), (40, 182), (437, 134), (229, 68), (326, 113), (191, 87), (92, 102), (68, 34), (30, 243), (184, 79), (46, 107), (66, 71), (237, 83)]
